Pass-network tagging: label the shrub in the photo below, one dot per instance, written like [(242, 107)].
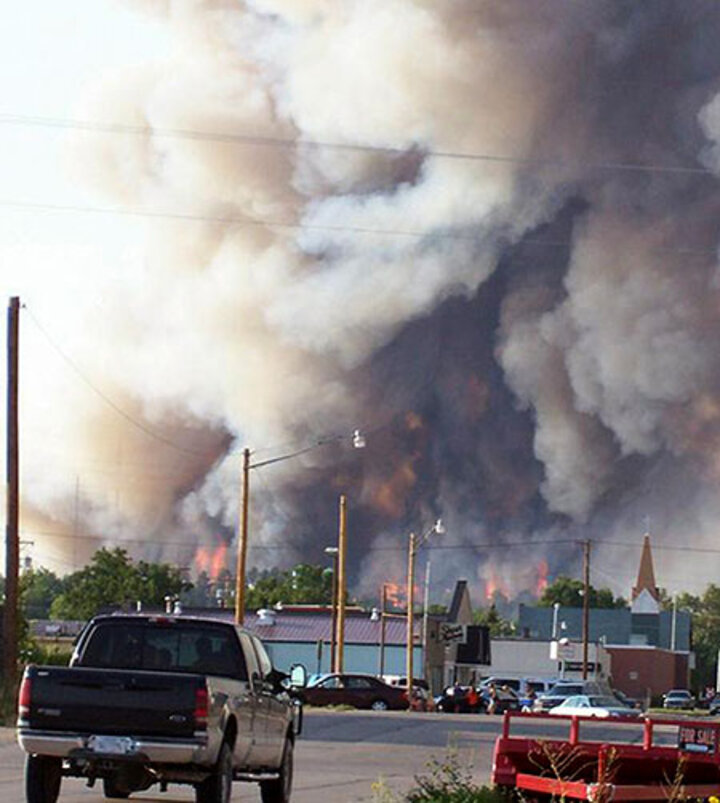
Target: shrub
[(446, 781)]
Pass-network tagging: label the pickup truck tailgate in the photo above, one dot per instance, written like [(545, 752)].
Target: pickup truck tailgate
[(111, 701)]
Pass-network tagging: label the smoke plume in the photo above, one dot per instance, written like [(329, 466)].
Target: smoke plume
[(483, 231)]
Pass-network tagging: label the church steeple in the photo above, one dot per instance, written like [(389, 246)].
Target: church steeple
[(645, 596)]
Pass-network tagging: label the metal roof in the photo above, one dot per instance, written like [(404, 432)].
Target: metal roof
[(316, 627)]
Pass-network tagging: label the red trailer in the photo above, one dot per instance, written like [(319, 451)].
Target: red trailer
[(642, 768)]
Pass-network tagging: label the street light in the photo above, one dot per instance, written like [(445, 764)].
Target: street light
[(333, 550), (414, 546), (358, 442)]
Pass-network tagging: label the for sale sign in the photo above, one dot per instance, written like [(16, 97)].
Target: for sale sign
[(697, 739)]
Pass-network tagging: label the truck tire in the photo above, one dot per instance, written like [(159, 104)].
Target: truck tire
[(43, 775), (218, 787), (278, 790), (112, 790)]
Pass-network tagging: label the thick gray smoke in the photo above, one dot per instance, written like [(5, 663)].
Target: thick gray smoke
[(484, 230)]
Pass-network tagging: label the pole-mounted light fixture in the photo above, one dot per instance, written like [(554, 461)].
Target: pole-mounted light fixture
[(358, 441), (415, 543)]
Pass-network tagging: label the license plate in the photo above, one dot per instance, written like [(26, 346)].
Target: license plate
[(695, 739), (114, 745)]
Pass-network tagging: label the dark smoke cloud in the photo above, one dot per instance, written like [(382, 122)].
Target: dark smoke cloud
[(531, 341)]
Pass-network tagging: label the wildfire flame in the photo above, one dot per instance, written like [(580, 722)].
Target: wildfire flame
[(542, 578), (211, 561), (508, 581), (395, 595)]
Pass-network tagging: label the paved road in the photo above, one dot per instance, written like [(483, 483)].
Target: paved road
[(341, 755)]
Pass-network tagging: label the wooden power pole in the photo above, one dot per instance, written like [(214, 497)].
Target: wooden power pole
[(12, 537), (586, 607), (341, 587), (242, 541)]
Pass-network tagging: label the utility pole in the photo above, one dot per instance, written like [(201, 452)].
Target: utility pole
[(586, 606), (383, 603), (242, 541), (410, 623), (426, 605), (341, 586), (333, 552), (12, 536)]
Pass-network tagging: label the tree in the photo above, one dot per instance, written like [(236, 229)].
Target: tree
[(705, 611), (569, 593), (38, 590), (303, 585), (158, 581), (113, 580), (490, 618)]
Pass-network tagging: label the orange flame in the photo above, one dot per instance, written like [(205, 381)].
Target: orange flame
[(542, 578), (495, 584), (211, 561), (395, 595)]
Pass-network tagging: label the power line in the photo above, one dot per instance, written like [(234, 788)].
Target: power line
[(122, 413), (246, 220), (288, 143)]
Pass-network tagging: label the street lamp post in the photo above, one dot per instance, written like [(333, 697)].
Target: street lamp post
[(358, 441), (414, 546)]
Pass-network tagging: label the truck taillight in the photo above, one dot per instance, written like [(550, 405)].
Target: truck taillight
[(201, 708), (24, 699)]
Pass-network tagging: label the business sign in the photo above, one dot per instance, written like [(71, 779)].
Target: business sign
[(452, 633), (577, 666), (564, 651)]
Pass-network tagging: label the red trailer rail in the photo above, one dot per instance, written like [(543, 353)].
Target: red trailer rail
[(601, 770)]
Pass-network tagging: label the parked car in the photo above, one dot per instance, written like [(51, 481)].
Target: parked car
[(569, 688), (630, 702), (460, 700), (586, 705), (679, 699), (456, 699), (359, 691), (511, 683), (505, 700), (521, 686), (155, 700), (421, 698), (714, 705)]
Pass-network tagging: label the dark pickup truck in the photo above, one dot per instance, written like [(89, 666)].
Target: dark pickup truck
[(158, 700)]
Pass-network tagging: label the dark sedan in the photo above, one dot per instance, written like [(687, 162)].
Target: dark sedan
[(359, 691), (459, 700)]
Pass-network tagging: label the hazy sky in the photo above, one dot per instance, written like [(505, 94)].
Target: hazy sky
[(53, 56)]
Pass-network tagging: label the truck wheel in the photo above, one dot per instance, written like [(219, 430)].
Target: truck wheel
[(218, 787), (278, 790), (112, 790), (43, 775)]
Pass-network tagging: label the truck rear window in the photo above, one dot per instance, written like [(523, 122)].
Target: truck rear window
[(207, 651)]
